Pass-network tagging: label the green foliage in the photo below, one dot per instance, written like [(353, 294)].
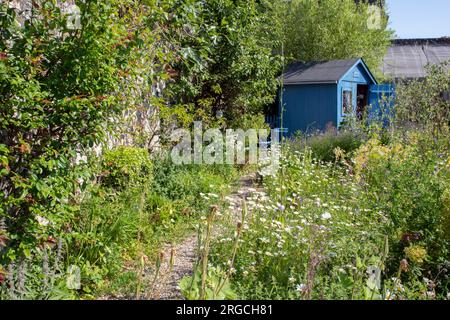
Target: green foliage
[(421, 103), (374, 228), (105, 232), (122, 165), (41, 276), (323, 146), (185, 183), (370, 229), (190, 286), (408, 179), (301, 241), (250, 121), (61, 90), (58, 93), (128, 216), (335, 29), (225, 59)]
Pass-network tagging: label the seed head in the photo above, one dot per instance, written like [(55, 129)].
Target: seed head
[(404, 265)]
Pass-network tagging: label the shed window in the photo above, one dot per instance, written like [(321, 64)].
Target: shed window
[(347, 101)]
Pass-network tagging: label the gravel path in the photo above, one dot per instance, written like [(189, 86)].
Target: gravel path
[(184, 254)]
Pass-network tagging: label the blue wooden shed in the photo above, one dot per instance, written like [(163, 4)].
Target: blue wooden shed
[(321, 94)]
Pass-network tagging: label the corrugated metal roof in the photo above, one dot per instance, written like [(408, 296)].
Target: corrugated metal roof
[(317, 72), (407, 59)]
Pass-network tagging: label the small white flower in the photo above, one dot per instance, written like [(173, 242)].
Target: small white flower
[(300, 287), (264, 240), (326, 216), (42, 221), (389, 295)]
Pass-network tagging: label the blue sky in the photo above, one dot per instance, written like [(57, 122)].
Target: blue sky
[(419, 18)]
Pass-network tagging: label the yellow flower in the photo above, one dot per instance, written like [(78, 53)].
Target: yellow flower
[(416, 253)]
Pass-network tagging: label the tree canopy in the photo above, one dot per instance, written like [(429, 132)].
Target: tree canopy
[(225, 64), (335, 29)]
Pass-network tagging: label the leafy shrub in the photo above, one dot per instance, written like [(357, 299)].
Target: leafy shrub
[(104, 229), (323, 145), (250, 121), (334, 29), (189, 181), (235, 73), (422, 103), (162, 208), (409, 183), (123, 165), (58, 94)]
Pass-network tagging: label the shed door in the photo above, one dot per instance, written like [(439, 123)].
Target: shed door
[(381, 99)]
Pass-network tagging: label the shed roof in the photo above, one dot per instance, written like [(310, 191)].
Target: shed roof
[(407, 58), (317, 72)]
